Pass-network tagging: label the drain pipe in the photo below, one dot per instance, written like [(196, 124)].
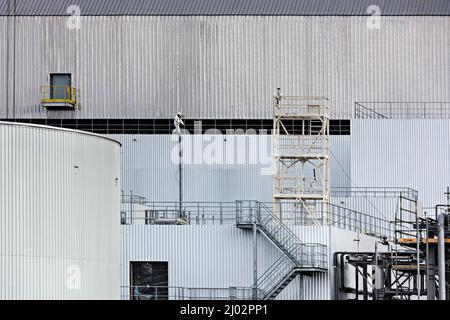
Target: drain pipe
[(441, 255)]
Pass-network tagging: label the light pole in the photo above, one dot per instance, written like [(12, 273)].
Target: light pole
[(178, 122)]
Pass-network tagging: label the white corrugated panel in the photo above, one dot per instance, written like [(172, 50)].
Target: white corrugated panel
[(222, 256), (59, 214), (228, 67), (402, 153), (214, 256), (340, 163), (238, 169), (150, 167)]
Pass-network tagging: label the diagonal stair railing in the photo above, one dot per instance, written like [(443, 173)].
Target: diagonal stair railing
[(297, 258)]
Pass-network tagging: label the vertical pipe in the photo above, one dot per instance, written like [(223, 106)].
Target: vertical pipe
[(255, 262), (418, 250), (8, 37), (14, 63), (180, 175), (441, 255), (131, 206), (365, 292), (379, 284), (430, 265)]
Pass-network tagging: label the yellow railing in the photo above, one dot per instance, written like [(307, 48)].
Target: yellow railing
[(58, 94)]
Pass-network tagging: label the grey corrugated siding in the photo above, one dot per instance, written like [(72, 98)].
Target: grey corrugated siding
[(228, 7), (148, 171), (224, 67), (403, 153)]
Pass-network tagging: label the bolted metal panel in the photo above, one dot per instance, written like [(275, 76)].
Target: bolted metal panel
[(59, 214), (223, 67), (149, 167), (402, 153)]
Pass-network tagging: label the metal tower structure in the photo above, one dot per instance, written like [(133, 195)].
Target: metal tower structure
[(301, 184)]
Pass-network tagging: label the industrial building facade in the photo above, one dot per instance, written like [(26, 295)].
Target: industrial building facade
[(221, 67), (125, 70)]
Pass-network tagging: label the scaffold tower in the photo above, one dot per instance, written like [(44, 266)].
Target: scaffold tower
[(301, 184)]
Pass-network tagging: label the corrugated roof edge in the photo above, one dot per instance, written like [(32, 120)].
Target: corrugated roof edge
[(225, 8), (227, 15)]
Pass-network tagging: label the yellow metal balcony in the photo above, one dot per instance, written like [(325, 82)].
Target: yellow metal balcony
[(58, 97)]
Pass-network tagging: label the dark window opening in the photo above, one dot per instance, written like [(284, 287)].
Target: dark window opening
[(149, 280), (60, 86)]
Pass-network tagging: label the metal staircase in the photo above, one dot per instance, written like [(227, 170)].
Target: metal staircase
[(298, 257)]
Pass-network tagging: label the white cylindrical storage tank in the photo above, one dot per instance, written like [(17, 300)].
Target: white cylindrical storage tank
[(59, 214)]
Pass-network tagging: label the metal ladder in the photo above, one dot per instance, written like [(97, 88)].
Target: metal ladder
[(298, 257)]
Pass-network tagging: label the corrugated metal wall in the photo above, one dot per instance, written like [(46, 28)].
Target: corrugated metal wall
[(403, 153), (227, 67), (222, 256), (148, 168), (214, 256), (59, 214)]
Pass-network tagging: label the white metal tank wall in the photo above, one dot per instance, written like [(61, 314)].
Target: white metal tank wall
[(148, 169), (223, 66), (402, 153), (59, 214)]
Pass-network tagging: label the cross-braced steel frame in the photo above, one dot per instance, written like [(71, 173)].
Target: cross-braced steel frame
[(300, 155)]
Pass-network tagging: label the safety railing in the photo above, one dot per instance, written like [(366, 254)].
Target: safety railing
[(297, 256), (293, 185), (273, 276), (193, 213), (299, 145), (363, 112), (352, 220), (55, 93), (185, 293), (292, 105), (374, 192), (225, 213), (402, 110), (328, 214), (406, 218), (311, 255), (131, 198)]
